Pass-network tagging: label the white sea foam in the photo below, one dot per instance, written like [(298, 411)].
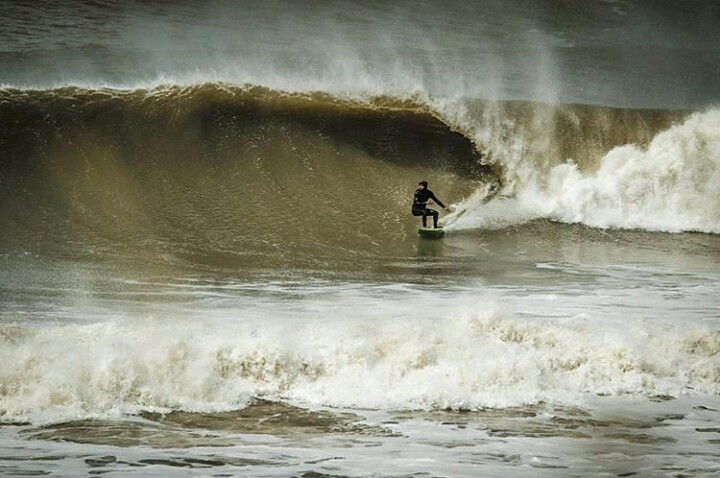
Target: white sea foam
[(672, 185), (469, 358)]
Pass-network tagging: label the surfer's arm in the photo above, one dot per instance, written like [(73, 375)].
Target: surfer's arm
[(438, 202)]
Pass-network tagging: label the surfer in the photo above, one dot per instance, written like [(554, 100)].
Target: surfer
[(420, 200)]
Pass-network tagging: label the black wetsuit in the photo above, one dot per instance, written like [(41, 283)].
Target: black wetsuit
[(419, 206)]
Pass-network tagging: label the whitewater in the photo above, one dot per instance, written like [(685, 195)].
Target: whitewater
[(669, 185), (478, 355), (208, 264)]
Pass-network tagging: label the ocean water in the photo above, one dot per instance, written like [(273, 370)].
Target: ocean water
[(208, 265)]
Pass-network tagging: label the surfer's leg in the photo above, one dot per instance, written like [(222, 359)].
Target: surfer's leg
[(434, 214), (419, 212)]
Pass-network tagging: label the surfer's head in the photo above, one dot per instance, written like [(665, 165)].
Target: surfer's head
[(423, 184)]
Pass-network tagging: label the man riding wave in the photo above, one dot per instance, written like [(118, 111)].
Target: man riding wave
[(420, 200)]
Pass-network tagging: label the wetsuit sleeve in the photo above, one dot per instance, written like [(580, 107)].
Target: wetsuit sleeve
[(439, 202)]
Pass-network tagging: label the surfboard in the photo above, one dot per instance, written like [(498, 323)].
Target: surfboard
[(431, 231)]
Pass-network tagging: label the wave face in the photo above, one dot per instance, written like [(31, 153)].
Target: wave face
[(242, 175), (218, 170)]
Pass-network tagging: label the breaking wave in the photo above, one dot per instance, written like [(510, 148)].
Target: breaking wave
[(476, 359), (219, 170), (667, 182)]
